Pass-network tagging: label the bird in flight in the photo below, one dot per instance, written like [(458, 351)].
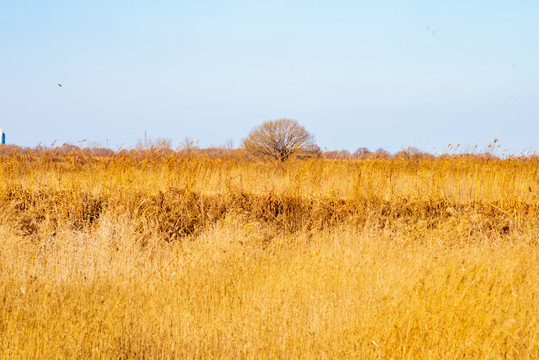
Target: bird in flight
[(60, 85)]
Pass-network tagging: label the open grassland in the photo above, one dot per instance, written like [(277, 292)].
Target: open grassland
[(160, 255)]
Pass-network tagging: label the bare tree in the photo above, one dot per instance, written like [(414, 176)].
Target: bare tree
[(362, 153), (279, 140)]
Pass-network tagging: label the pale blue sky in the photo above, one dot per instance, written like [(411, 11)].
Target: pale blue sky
[(387, 74)]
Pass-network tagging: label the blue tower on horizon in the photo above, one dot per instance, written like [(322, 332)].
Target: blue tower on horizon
[(3, 134)]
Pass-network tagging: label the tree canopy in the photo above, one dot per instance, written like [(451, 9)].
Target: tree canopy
[(279, 140)]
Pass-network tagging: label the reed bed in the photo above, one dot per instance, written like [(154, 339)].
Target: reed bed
[(169, 255)]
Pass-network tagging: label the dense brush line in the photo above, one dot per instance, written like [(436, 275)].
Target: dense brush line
[(177, 213)]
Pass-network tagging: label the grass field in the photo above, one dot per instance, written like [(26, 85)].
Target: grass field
[(167, 255)]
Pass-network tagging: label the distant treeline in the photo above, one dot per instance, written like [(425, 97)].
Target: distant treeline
[(227, 152)]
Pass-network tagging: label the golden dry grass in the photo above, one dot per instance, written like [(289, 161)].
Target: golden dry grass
[(164, 256)]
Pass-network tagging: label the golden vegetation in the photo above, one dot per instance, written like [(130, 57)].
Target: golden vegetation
[(160, 255)]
